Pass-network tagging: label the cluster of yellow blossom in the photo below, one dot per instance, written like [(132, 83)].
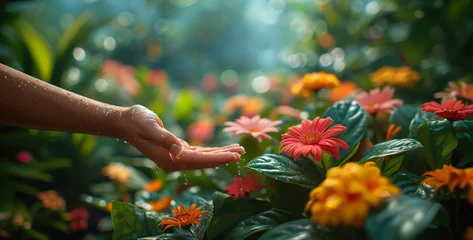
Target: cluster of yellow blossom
[(348, 193), (51, 200), (453, 178), (314, 81), (401, 77), (117, 172)]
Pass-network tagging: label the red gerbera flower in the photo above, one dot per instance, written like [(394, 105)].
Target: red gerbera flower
[(78, 219), (449, 109), (243, 186), (311, 137)]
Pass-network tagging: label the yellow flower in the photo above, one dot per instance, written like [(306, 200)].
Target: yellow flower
[(452, 177), (117, 172), (184, 218), (313, 82), (347, 195), (153, 186), (401, 77), (161, 204)]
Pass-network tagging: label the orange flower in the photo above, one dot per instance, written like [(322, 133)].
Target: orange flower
[(161, 204), (402, 76), (313, 82), (469, 233), (52, 200), (184, 218), (452, 177), (109, 207), (249, 106), (153, 186), (393, 130), (341, 92), (117, 172)]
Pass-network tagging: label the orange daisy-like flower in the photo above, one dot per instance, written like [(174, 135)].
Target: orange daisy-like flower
[(249, 106), (184, 218), (161, 204), (402, 76), (242, 187), (348, 193), (341, 92), (311, 137), (117, 172), (256, 126), (449, 109), (378, 101), (453, 178), (393, 130), (313, 82), (153, 186), (465, 91)]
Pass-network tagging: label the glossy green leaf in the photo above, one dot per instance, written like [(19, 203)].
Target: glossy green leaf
[(131, 222), (228, 212), (24, 172), (253, 148), (354, 118), (38, 48), (184, 105), (421, 117), (303, 172), (37, 235), (410, 184), (439, 140), (287, 196), (405, 217), (181, 235), (260, 223), (464, 132), (72, 32), (305, 229), (52, 164), (403, 116), (391, 165), (391, 147)]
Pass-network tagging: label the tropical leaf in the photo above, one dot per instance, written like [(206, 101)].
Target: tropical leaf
[(392, 147), (439, 140)]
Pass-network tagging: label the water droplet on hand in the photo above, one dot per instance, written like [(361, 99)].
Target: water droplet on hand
[(186, 181), (226, 164), (124, 141)]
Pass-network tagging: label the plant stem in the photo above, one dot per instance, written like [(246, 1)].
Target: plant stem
[(195, 237)]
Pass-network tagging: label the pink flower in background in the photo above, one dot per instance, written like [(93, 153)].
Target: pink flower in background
[(24, 157), (311, 137), (200, 132), (243, 186), (110, 67), (449, 109), (287, 111), (78, 219), (124, 76), (465, 91), (378, 101), (156, 77), (255, 126), (210, 82)]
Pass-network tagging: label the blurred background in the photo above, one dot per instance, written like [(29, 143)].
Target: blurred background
[(197, 64)]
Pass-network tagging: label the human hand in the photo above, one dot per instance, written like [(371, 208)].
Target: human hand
[(145, 131)]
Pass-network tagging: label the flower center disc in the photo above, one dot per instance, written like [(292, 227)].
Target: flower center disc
[(311, 138)]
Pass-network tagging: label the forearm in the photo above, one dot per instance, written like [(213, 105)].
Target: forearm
[(32, 103)]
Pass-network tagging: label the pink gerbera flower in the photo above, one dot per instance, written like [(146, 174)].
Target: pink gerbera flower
[(311, 137), (449, 109), (378, 101), (256, 126), (78, 219), (465, 91), (243, 186)]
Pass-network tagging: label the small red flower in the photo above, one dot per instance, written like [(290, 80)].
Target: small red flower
[(243, 186), (24, 157), (79, 219), (311, 137), (449, 109)]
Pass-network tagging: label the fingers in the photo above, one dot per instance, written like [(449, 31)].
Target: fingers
[(195, 160), (158, 155), (230, 148), (161, 137)]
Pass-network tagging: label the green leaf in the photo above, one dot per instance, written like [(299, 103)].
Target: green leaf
[(421, 117), (29, 173), (37, 235), (439, 140), (303, 172), (72, 31), (51, 164), (181, 235), (464, 133), (353, 117), (405, 217), (391, 147), (260, 223), (410, 184), (131, 222), (38, 48), (305, 229), (184, 105), (287, 196), (391, 165), (253, 148), (228, 212), (23, 188), (403, 116)]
